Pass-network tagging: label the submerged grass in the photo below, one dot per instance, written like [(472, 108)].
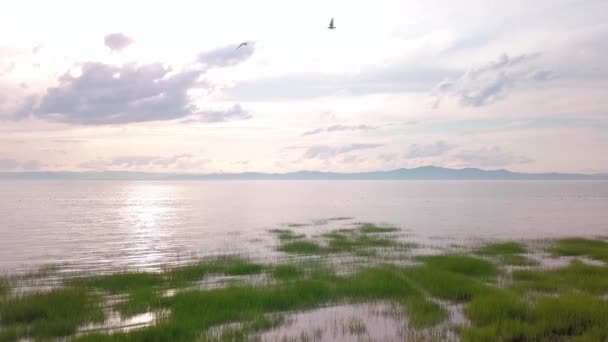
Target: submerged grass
[(287, 234), (362, 241)]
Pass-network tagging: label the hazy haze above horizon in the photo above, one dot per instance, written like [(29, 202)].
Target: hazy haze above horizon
[(160, 86)]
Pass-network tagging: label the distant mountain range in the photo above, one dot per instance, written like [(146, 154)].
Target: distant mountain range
[(419, 173)]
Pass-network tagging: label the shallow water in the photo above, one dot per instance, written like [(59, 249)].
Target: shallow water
[(110, 225), (355, 322)]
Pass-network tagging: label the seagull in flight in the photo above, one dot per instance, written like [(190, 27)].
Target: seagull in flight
[(331, 24), (241, 45)]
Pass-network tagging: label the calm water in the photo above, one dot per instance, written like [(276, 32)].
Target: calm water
[(137, 224)]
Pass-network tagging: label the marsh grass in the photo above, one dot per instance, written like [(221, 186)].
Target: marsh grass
[(368, 228), (119, 282), (47, 315), (534, 304), (224, 265), (462, 264), (576, 276), (302, 247), (594, 249), (502, 248), (140, 301), (4, 287), (516, 260), (287, 272), (362, 241)]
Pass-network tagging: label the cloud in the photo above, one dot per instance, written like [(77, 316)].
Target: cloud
[(490, 157), (105, 94), (339, 128), (429, 150), (8, 164), (235, 112), (180, 161), (491, 82), (325, 152), (117, 41), (226, 56)]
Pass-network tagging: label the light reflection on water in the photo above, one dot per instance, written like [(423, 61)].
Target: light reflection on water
[(110, 225)]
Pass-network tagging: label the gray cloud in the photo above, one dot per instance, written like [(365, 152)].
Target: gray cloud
[(490, 157), (429, 150), (8, 164), (339, 128), (325, 152), (226, 56), (106, 94), (491, 82), (179, 161), (235, 112), (117, 41)]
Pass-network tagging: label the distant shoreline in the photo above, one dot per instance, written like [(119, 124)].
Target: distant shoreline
[(420, 173)]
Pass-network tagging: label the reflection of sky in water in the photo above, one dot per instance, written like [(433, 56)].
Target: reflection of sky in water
[(112, 225), (146, 213)]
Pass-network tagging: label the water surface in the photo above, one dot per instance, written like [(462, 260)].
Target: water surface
[(109, 225)]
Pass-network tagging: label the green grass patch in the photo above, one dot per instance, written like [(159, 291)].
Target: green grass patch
[(46, 315), (564, 318), (120, 282), (576, 276), (594, 249), (462, 264), (497, 306), (140, 301), (502, 248), (446, 285), (422, 312), (287, 234), (224, 265), (287, 272), (369, 228), (4, 287)]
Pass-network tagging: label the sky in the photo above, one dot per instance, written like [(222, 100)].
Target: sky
[(162, 86)]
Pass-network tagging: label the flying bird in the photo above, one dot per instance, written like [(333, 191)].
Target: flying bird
[(241, 45), (331, 24)]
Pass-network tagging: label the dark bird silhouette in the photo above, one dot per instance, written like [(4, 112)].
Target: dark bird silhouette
[(331, 24), (241, 45)]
